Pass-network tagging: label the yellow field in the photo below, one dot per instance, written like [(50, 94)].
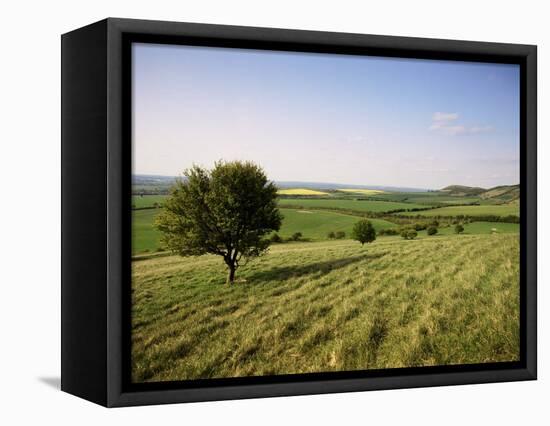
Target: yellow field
[(363, 191), (300, 191)]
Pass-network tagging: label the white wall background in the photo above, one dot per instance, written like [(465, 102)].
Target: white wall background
[(30, 213)]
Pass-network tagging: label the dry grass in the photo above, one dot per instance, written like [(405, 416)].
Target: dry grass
[(328, 306)]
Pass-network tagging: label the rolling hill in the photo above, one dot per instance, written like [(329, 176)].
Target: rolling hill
[(505, 193), (461, 190)]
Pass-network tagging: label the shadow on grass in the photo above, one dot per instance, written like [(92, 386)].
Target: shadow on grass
[(317, 268)]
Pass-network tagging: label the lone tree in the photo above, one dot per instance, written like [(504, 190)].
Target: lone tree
[(364, 232), (225, 211)]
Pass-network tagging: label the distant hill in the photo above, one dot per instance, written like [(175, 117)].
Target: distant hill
[(336, 186), (504, 193), (157, 182), (461, 190), (500, 194)]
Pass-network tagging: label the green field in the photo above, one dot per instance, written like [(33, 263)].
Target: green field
[(496, 210), (476, 228), (313, 224), (328, 306), (316, 224), (145, 238), (429, 198), (349, 204), (139, 202)]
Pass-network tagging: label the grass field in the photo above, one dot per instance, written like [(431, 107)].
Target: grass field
[(476, 228), (313, 224), (140, 202), (358, 205), (328, 306), (145, 238), (497, 210), (316, 224), (300, 191)]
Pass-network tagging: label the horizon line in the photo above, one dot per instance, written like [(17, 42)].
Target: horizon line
[(347, 184)]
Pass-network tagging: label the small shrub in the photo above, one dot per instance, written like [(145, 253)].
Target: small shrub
[(412, 234), (432, 230), (419, 226), (340, 235), (296, 236), (459, 229), (409, 233), (331, 235), (276, 238)]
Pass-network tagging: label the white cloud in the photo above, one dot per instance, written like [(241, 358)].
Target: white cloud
[(444, 122)]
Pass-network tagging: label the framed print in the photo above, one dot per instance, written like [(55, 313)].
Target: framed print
[(254, 212)]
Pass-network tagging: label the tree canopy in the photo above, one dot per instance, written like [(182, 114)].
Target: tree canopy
[(227, 211)]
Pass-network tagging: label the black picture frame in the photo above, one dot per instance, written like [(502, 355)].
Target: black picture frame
[(96, 179)]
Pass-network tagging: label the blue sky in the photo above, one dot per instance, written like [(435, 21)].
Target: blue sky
[(326, 118)]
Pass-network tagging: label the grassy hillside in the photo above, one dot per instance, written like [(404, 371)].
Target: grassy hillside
[(502, 193), (461, 190), (328, 306)]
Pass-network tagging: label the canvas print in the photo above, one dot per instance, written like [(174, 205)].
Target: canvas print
[(298, 213)]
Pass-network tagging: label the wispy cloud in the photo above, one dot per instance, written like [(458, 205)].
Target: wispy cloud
[(445, 122)]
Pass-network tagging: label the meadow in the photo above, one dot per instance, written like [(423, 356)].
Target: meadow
[(145, 237), (313, 218), (328, 306), (496, 210), (146, 201), (314, 225)]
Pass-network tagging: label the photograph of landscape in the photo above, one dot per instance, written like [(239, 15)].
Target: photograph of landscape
[(300, 213)]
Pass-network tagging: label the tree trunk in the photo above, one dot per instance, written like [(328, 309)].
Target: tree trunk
[(231, 274)]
